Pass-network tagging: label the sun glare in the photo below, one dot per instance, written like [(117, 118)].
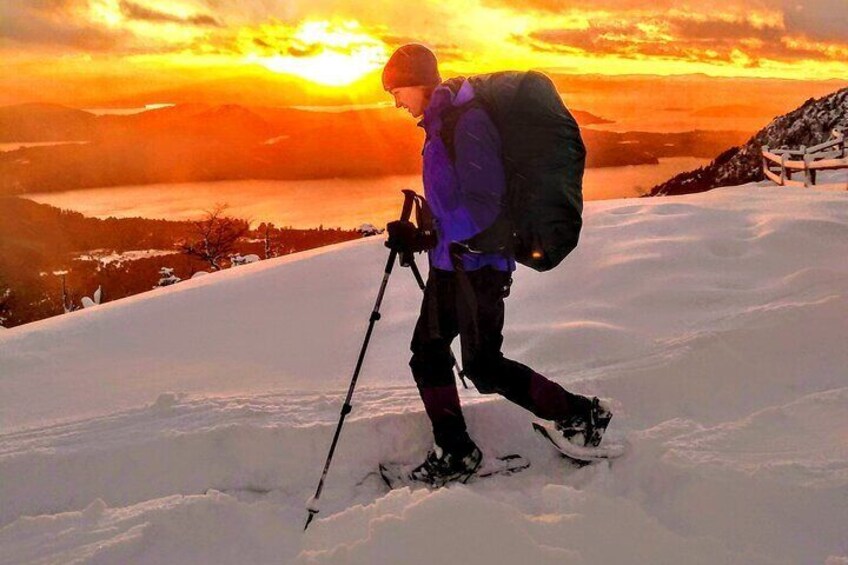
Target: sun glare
[(324, 53)]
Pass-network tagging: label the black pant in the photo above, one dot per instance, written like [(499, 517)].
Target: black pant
[(471, 305)]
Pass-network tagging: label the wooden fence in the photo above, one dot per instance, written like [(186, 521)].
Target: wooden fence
[(829, 155)]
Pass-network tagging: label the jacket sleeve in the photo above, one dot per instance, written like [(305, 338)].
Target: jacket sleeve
[(479, 168)]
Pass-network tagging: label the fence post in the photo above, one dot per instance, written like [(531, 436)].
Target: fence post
[(783, 172), (806, 156), (765, 161)]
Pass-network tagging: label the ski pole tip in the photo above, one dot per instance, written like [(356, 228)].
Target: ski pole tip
[(309, 518), (312, 508)]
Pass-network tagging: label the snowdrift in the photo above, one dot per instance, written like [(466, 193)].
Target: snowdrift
[(189, 424)]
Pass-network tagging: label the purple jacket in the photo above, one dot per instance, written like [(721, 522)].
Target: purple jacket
[(466, 195)]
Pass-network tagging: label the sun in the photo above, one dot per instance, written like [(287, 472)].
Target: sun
[(321, 52)]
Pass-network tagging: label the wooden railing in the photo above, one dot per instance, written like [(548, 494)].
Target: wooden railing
[(808, 160)]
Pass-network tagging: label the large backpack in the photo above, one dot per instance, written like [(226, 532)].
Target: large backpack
[(544, 158)]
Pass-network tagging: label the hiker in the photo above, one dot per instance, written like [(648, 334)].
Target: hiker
[(465, 184)]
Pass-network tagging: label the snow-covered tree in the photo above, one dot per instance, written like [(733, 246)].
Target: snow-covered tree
[(167, 277), (270, 239), (369, 229), (5, 305), (238, 259), (94, 300)]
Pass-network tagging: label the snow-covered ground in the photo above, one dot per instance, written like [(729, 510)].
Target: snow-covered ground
[(107, 256), (190, 424)]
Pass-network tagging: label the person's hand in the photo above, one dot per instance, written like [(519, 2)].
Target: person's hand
[(402, 236)]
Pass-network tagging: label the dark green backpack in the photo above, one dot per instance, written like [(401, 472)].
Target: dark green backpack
[(544, 158)]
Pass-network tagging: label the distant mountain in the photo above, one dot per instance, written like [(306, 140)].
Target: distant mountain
[(810, 124), (227, 122), (202, 142), (45, 122), (588, 119)]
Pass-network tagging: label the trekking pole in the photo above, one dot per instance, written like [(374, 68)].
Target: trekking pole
[(312, 505)]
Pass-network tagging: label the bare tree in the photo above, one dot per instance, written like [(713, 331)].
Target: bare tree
[(271, 240), (214, 236)]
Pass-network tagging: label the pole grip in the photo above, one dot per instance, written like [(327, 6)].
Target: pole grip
[(408, 201)]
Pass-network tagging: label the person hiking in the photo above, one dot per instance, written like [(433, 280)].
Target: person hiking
[(464, 295)]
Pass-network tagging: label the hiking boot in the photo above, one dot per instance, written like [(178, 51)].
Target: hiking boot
[(586, 429), (442, 466)]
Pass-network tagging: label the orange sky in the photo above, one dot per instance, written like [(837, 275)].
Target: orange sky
[(117, 47)]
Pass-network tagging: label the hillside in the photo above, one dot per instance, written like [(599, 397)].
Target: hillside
[(808, 125), (190, 424), (203, 142), (37, 241)]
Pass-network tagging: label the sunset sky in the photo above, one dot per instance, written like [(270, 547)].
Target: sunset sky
[(121, 46)]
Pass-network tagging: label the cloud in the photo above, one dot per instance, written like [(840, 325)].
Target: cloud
[(469, 34), (724, 30), (54, 22), (445, 52), (611, 6), (138, 12), (694, 38), (738, 31), (824, 20), (305, 51), (94, 26)]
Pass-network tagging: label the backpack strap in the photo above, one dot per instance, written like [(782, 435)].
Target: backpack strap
[(465, 288), (450, 118), (497, 238)]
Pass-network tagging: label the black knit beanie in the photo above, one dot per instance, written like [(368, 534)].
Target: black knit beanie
[(411, 65)]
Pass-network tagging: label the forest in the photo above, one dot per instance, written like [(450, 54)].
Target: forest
[(50, 259)]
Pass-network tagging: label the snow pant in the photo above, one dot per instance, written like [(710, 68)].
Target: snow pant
[(474, 310)]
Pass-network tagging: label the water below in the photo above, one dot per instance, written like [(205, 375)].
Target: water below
[(14, 146), (343, 203)]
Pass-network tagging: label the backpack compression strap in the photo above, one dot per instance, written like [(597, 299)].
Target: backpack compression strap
[(450, 118)]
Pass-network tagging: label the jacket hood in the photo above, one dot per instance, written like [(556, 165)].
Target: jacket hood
[(443, 97)]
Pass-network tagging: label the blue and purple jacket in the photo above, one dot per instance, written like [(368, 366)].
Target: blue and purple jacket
[(464, 195)]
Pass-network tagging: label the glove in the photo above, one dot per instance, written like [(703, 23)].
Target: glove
[(402, 236)]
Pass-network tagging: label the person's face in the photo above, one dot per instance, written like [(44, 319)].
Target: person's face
[(413, 98)]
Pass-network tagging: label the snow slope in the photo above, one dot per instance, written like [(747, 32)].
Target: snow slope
[(189, 424)]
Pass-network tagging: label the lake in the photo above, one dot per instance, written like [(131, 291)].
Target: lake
[(14, 146), (343, 203)]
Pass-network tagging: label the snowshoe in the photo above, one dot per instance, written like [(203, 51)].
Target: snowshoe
[(441, 466), (586, 429), (397, 475), (579, 455)]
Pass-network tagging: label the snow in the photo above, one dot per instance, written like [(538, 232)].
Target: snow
[(369, 229), (105, 257), (238, 260), (191, 424)]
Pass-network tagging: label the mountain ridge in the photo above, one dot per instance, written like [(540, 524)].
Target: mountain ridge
[(809, 124)]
